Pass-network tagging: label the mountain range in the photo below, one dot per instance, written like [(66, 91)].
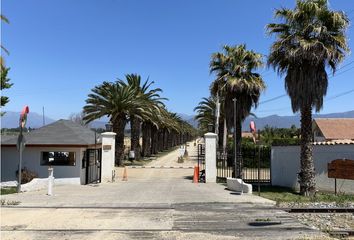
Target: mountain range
[(35, 120)]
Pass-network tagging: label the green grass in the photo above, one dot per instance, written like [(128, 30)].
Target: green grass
[(8, 190), (282, 194)]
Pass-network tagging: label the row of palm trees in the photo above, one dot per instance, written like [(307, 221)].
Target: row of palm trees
[(134, 101), (309, 39)]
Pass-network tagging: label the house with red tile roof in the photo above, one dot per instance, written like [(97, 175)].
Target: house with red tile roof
[(333, 129)]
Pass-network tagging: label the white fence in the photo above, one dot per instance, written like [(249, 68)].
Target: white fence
[(285, 164)]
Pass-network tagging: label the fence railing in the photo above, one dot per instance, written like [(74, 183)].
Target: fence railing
[(255, 165), (201, 162)]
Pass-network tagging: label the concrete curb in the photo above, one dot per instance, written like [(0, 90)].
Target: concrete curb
[(161, 167)]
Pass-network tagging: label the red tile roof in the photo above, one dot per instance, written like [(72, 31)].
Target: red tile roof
[(336, 128)]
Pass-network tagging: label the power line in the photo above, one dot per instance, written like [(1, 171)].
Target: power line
[(345, 65), (326, 100), (339, 95), (338, 74), (272, 99)]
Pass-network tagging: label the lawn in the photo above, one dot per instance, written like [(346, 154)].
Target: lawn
[(8, 190), (282, 194)]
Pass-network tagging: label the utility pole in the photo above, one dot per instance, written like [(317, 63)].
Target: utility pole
[(235, 143), (217, 113), (43, 116)]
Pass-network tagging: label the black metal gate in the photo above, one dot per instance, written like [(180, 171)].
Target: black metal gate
[(224, 165), (93, 165), (201, 162), (255, 163)]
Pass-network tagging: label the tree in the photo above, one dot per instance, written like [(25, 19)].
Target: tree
[(206, 113), (5, 84), (118, 102), (5, 81), (2, 62), (236, 79), (153, 100), (78, 118), (309, 38)]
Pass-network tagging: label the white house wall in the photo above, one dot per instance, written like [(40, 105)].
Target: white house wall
[(286, 164), (32, 159)]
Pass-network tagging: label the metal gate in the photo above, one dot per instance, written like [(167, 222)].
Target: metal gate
[(93, 165), (201, 162), (255, 163)]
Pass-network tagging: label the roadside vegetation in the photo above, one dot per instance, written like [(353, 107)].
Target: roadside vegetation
[(287, 195), (8, 190)]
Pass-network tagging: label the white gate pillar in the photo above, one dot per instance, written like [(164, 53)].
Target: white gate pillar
[(108, 156), (210, 157)]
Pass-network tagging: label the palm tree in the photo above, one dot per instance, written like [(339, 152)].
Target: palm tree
[(5, 81), (206, 113), (153, 99), (118, 102), (310, 38), (2, 62), (236, 79)]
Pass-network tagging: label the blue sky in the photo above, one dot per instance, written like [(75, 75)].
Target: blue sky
[(60, 49)]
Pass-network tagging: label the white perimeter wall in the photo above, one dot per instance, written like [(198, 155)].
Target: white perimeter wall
[(286, 164), (32, 160)]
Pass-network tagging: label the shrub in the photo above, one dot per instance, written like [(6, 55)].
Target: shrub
[(26, 175), (286, 142)]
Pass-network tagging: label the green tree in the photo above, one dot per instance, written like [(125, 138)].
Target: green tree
[(154, 101), (2, 62), (5, 84), (236, 79), (5, 81), (118, 102), (309, 38), (206, 113)]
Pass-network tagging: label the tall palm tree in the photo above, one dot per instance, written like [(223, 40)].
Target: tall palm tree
[(236, 79), (153, 99), (310, 38), (118, 102)]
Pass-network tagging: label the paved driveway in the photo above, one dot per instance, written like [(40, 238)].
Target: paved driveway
[(155, 203)]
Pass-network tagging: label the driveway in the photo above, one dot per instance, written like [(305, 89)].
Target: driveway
[(157, 202)]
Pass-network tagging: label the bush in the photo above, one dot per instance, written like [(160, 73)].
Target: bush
[(26, 175), (286, 141)]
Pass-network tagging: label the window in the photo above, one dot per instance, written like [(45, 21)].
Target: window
[(58, 158)]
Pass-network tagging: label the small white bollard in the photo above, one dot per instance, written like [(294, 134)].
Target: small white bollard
[(113, 175), (50, 181)]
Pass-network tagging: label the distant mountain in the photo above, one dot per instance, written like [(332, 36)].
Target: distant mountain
[(189, 119), (287, 121), (34, 120)]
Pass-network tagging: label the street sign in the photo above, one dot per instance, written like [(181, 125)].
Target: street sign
[(341, 168)]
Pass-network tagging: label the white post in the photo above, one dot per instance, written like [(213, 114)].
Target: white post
[(50, 181), (210, 157), (108, 156)]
